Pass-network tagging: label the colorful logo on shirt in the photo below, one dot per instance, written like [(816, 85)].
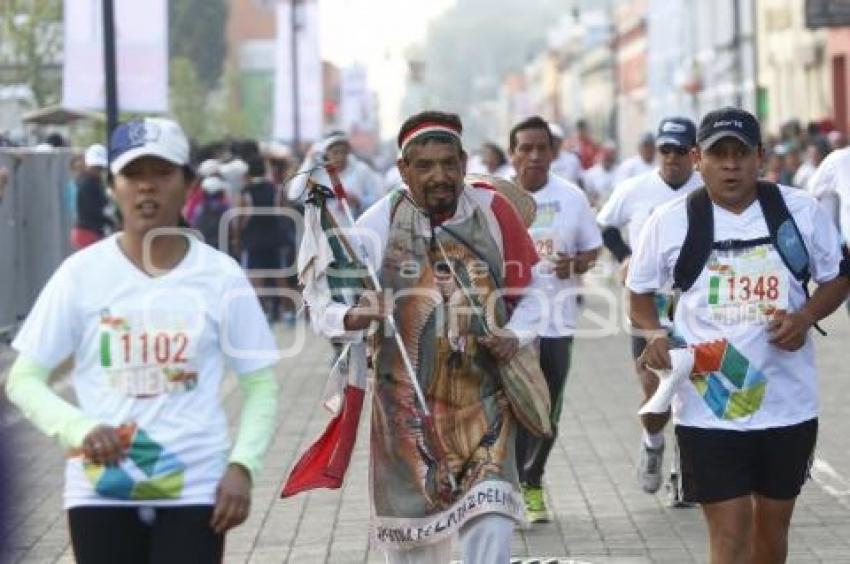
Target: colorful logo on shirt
[(148, 472), (730, 386), (546, 214)]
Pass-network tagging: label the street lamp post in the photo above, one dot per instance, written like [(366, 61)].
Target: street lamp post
[(296, 102), (110, 73), (614, 124), (737, 56)]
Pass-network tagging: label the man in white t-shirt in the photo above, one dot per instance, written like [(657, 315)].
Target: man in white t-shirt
[(638, 164), (746, 419), (830, 184), (567, 238), (631, 205), (565, 163)]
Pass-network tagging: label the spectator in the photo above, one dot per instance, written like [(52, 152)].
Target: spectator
[(92, 222)]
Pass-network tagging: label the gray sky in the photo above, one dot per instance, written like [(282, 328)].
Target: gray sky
[(377, 33)]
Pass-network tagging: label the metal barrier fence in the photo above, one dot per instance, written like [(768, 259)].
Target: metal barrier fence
[(35, 222)]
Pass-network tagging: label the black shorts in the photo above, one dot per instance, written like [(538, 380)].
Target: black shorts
[(719, 465), (165, 535), (263, 259)]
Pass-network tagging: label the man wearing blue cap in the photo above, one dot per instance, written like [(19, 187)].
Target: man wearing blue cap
[(631, 205), (740, 253)]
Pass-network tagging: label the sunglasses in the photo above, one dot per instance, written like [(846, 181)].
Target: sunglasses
[(668, 149)]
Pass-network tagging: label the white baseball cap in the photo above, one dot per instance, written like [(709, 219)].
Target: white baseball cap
[(208, 168), (213, 184), (233, 170), (96, 156), (148, 137)]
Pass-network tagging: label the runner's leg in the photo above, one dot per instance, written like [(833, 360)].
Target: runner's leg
[(105, 535), (729, 528), (183, 534), (487, 539)]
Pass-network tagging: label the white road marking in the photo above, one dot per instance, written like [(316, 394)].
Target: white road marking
[(829, 479)]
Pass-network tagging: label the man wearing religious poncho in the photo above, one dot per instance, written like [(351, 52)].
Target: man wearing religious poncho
[(457, 267)]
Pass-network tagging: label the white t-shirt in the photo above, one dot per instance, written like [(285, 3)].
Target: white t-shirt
[(631, 167), (758, 385), (150, 352), (598, 182), (567, 165), (564, 223), (635, 199), (831, 183)]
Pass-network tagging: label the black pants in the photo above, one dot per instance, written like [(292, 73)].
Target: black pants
[(175, 535), (533, 452)]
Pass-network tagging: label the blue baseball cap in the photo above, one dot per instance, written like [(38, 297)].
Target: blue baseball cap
[(678, 131), (148, 137)]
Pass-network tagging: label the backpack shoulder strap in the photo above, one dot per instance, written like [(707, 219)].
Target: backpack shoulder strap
[(786, 236), (784, 233), (696, 247)]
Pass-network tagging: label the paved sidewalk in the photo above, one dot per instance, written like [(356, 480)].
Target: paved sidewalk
[(601, 514)]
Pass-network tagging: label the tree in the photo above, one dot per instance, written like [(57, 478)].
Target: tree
[(205, 117), (197, 34), (30, 46), (188, 99)]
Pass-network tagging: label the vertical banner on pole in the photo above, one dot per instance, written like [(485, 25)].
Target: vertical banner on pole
[(142, 45), (308, 67)]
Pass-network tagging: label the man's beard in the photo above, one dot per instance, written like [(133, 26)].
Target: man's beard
[(442, 206)]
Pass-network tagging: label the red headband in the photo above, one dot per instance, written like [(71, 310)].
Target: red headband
[(427, 127)]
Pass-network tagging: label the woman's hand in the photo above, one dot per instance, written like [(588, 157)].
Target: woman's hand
[(103, 446), (232, 499)]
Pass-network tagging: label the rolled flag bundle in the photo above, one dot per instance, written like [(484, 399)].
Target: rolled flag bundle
[(682, 361), (324, 463), (327, 269)]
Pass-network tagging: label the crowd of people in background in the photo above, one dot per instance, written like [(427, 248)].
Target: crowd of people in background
[(233, 174)]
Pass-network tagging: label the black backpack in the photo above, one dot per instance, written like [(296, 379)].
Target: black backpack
[(784, 235)]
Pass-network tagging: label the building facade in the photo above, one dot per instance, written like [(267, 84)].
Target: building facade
[(793, 76)]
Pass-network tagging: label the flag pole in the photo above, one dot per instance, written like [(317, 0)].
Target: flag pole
[(339, 192)]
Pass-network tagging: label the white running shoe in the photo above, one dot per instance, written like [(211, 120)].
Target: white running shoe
[(649, 468)]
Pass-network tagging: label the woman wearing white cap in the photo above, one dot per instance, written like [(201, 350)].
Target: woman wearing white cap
[(151, 317)]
